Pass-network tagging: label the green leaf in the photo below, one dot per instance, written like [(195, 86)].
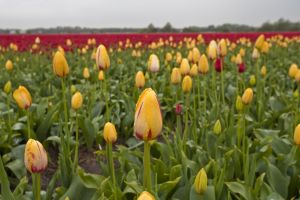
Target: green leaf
[(91, 181), (165, 189), (239, 188), (209, 194), (278, 181)]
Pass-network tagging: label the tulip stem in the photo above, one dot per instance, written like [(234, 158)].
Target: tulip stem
[(186, 128), (36, 181), (65, 115), (111, 165), (222, 80), (28, 124), (194, 115), (147, 170), (76, 146), (9, 121), (106, 100)]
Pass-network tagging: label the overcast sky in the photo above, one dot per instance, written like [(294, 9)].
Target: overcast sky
[(139, 13)]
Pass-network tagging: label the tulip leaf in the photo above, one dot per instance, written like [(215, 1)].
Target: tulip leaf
[(279, 182), (209, 194)]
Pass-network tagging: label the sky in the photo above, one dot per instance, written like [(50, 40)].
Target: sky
[(26, 14)]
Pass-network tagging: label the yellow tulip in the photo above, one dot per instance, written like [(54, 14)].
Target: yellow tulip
[(242, 52), (263, 71), (9, 65), (194, 70), (76, 100), (153, 63), (252, 80), (203, 65), (184, 67), (168, 57), (255, 53), (7, 87), (265, 47), (146, 196), (233, 59), (247, 96), (260, 41), (102, 58), (190, 56), (297, 76), (86, 73), (217, 127), (60, 65), (139, 79), (297, 135), (178, 57), (222, 48), (196, 55), (200, 183), (22, 97), (35, 156), (293, 70), (187, 84), (101, 75), (238, 59), (212, 50), (175, 76), (110, 133), (148, 117)]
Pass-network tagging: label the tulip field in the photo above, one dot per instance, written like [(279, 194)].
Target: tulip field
[(150, 116)]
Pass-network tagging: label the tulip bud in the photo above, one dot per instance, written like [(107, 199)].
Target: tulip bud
[(146, 196), (153, 63), (148, 117), (86, 73), (265, 47), (9, 65), (110, 133), (194, 70), (263, 71), (184, 67), (218, 65), (196, 55), (102, 58), (203, 65), (200, 183), (190, 56), (22, 97), (239, 104), (252, 80), (217, 127), (297, 77), (247, 96), (35, 156), (296, 93), (101, 75), (139, 79), (77, 100), (175, 76), (238, 59), (212, 50), (255, 54), (242, 52), (37, 40), (73, 89), (60, 65), (178, 109), (178, 57), (233, 59), (7, 87), (168, 57), (222, 48), (260, 41), (293, 70), (187, 84), (297, 135)]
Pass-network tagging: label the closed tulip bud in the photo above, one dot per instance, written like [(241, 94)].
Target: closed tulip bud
[(9, 65), (265, 47), (178, 57), (263, 71), (247, 96), (60, 65), (168, 57), (7, 87), (148, 117), (101, 75), (77, 100), (175, 76), (238, 59), (200, 183), (222, 48), (203, 65), (146, 196), (35, 156), (73, 89), (233, 59), (187, 84), (242, 52), (252, 80), (153, 63), (293, 70), (22, 97), (110, 133), (297, 77), (217, 127), (190, 56), (102, 58), (212, 50), (86, 73), (184, 67), (239, 103), (196, 55), (178, 109), (194, 70), (139, 79), (297, 135), (260, 41), (255, 53), (37, 40)]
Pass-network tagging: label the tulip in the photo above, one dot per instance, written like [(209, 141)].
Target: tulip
[(35, 156), (222, 48), (238, 59), (190, 56), (184, 67), (86, 73), (175, 76), (9, 65), (255, 53), (146, 196), (293, 70), (101, 75), (187, 84), (247, 96), (110, 133), (218, 65), (242, 52), (22, 97), (242, 67), (263, 71), (73, 89), (196, 55), (153, 63), (265, 47), (178, 57), (203, 65), (297, 135), (200, 183), (178, 109), (233, 59), (7, 87), (139, 80), (37, 40), (102, 58), (239, 104), (60, 65), (194, 70), (217, 127), (77, 101), (212, 50), (168, 57), (260, 41), (252, 80)]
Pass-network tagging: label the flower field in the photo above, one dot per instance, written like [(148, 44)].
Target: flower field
[(150, 116)]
